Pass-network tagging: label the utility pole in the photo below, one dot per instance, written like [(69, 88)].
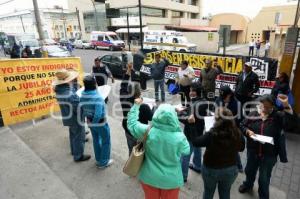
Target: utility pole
[(224, 41), (38, 20), (95, 14), (128, 32), (79, 24), (141, 25), (22, 23), (297, 14)]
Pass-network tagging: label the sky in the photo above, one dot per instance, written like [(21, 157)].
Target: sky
[(249, 8)]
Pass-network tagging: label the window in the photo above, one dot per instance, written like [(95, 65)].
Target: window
[(194, 16), (106, 59), (176, 14), (151, 12), (100, 38), (278, 17), (193, 2), (62, 35), (74, 27), (175, 40), (60, 27), (115, 60), (178, 1)]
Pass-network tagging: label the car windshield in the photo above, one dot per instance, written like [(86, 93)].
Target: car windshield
[(85, 41), (54, 49), (31, 43), (182, 40), (114, 37)]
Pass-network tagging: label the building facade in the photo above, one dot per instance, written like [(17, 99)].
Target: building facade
[(238, 23)]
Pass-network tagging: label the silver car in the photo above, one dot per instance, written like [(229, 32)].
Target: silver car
[(83, 44), (56, 51)]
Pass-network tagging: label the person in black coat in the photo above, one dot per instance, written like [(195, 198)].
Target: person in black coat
[(222, 142), (193, 121), (128, 92), (227, 99), (281, 85), (266, 121), (247, 84)]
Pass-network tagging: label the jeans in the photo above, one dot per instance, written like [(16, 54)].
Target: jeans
[(265, 166), (143, 81), (251, 49), (257, 52), (185, 161), (159, 84), (223, 178), (185, 95), (239, 161), (131, 141), (77, 140), (101, 143)]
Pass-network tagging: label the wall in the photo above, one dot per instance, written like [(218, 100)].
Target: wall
[(237, 22), (201, 40)]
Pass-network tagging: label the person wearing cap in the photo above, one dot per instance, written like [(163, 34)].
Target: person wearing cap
[(269, 122), (247, 84), (65, 86), (93, 109), (158, 74), (227, 99), (208, 79), (184, 78)]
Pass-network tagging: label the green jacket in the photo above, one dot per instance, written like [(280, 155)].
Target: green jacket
[(165, 145)]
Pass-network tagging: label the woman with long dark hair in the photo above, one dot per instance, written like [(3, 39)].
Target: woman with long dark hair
[(222, 144)]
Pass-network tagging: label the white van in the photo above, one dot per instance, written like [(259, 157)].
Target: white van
[(167, 40), (106, 40)]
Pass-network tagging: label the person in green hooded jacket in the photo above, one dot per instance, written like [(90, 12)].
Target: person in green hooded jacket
[(161, 173)]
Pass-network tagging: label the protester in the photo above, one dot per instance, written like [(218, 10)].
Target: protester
[(101, 73), (268, 122), (208, 79), (251, 47), (128, 92), (138, 60), (66, 85), (257, 46), (158, 75), (15, 51), (26, 52), (93, 109), (247, 83), (281, 85), (184, 78), (222, 144), (227, 99), (193, 121), (160, 174), (267, 48)]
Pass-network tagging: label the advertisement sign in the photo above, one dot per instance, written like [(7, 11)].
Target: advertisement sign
[(26, 90)]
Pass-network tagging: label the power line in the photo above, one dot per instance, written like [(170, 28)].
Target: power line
[(6, 2)]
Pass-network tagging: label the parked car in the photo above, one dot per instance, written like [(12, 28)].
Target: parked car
[(114, 62), (83, 44), (56, 51), (64, 42)]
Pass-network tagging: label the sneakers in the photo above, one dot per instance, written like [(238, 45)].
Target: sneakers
[(244, 189), (83, 158), (110, 162)]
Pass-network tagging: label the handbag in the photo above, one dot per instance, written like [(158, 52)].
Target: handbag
[(136, 158)]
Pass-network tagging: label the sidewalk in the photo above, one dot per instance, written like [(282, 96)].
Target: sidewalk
[(42, 152)]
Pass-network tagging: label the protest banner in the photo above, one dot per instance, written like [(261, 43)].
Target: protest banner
[(265, 68), (26, 90)]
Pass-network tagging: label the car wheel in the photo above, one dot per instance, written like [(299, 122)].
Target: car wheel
[(182, 50)]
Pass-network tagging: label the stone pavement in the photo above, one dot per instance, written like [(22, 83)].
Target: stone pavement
[(36, 160)]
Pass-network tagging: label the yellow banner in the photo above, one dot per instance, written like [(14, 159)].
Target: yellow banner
[(229, 64), (26, 87)]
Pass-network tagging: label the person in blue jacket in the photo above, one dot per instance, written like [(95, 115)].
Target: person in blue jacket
[(93, 109)]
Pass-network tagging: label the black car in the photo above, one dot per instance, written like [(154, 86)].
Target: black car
[(114, 63)]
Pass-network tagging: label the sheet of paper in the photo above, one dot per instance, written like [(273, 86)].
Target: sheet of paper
[(209, 122), (149, 101), (103, 91), (263, 139)]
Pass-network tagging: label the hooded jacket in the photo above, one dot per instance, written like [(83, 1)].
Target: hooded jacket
[(165, 145)]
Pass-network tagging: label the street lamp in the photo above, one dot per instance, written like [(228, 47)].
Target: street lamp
[(141, 25)]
